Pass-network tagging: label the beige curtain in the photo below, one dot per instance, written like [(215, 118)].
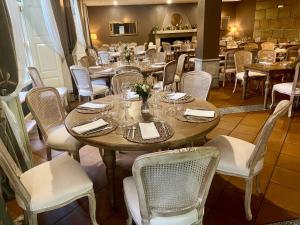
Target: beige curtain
[(85, 22)]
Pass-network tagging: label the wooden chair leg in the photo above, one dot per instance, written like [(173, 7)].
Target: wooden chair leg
[(92, 206), (248, 194), (49, 155)]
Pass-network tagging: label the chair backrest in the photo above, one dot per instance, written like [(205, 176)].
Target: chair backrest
[(13, 172), (180, 64), (268, 46), (196, 83), (229, 59), (46, 107), (262, 140), (159, 49), (92, 52), (104, 57), (266, 56), (87, 61), (151, 54), (132, 45), (250, 46), (35, 77), (127, 68), (174, 182), (296, 82), (82, 80), (139, 49), (292, 52), (169, 73), (167, 47), (177, 42), (242, 58), (160, 57), (130, 77)]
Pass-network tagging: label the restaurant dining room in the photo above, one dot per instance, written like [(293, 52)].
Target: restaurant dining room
[(161, 112)]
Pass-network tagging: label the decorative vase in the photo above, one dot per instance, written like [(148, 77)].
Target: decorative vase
[(145, 109)]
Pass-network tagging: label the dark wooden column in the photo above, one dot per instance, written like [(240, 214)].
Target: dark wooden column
[(208, 34)]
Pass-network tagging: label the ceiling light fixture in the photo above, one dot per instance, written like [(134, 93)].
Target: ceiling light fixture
[(115, 3), (280, 6), (169, 1)]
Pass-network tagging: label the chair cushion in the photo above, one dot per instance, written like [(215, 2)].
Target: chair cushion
[(235, 154), (60, 139), (54, 182), (132, 201), (240, 75), (285, 88), (62, 91), (99, 81)]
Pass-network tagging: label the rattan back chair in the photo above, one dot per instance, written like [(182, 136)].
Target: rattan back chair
[(35, 77), (87, 61), (251, 46), (292, 53), (266, 56), (127, 68), (196, 83), (229, 65), (179, 70), (268, 46), (151, 54), (160, 57), (159, 178), (130, 77), (242, 58), (169, 74), (45, 106)]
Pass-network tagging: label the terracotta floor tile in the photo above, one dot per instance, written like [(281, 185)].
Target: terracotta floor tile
[(289, 162), (287, 178), (283, 197)]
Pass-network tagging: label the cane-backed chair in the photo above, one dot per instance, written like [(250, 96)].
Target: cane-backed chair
[(151, 54), (48, 186), (127, 68), (250, 47), (170, 187), (168, 75), (268, 46), (196, 83), (130, 77), (85, 87), (168, 50), (38, 82), (87, 61), (266, 56), (245, 160), (45, 105), (179, 70), (242, 58), (292, 89), (229, 65)]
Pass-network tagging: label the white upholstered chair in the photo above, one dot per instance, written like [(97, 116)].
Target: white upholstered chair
[(196, 83), (130, 77), (84, 85), (151, 54), (170, 187), (292, 89), (48, 112), (243, 159), (92, 52), (179, 69), (229, 65), (37, 82), (48, 186), (104, 57), (242, 58)]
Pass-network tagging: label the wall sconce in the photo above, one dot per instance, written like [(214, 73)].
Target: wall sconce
[(94, 36)]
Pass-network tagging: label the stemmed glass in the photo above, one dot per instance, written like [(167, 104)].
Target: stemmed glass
[(125, 104)]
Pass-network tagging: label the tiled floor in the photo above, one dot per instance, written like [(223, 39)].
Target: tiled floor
[(280, 178)]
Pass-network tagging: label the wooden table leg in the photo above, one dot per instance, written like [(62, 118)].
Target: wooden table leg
[(246, 75), (109, 159), (267, 89)]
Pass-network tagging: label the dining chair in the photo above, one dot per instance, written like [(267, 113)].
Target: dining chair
[(229, 65), (127, 68), (38, 82), (104, 57), (292, 53), (168, 50), (291, 88), (266, 56), (159, 49), (87, 61), (268, 45), (92, 52), (140, 50), (245, 160), (84, 85), (242, 58), (170, 187), (179, 70), (48, 186), (168, 75), (104, 47), (48, 112), (196, 83), (250, 46), (151, 54), (130, 77)]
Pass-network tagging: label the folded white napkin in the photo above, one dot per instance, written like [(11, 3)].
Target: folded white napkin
[(176, 96), (131, 95), (148, 131), (89, 126), (107, 70), (93, 105), (266, 63), (199, 113)]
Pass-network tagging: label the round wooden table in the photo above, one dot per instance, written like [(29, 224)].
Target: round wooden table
[(185, 134)]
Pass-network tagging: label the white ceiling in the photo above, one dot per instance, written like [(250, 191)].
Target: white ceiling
[(139, 2)]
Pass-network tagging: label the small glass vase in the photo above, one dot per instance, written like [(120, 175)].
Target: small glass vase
[(145, 109)]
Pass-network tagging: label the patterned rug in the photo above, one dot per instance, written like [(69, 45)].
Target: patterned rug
[(290, 222), (242, 109)]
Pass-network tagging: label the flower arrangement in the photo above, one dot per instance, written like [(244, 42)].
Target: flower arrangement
[(143, 90), (155, 28), (127, 53)]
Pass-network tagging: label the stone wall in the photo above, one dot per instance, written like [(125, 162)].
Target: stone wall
[(279, 23)]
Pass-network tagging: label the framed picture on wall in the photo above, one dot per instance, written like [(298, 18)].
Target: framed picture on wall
[(122, 28), (225, 22)]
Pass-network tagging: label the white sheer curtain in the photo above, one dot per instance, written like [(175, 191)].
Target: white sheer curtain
[(19, 41), (78, 23), (52, 27)]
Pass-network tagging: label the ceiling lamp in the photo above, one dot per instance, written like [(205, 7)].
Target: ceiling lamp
[(169, 1), (115, 3)]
